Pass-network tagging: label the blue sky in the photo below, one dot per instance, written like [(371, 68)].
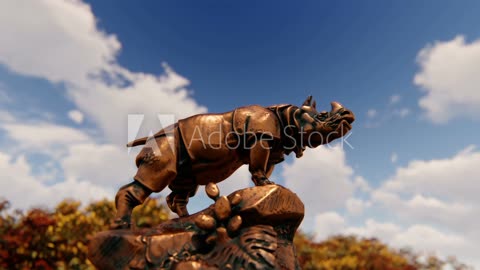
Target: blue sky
[(408, 69)]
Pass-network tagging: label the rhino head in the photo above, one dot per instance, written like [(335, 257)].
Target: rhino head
[(323, 127)]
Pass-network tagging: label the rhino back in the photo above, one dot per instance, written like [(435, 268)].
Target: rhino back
[(205, 135)]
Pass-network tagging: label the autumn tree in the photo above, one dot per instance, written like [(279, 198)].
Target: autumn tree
[(351, 252), (58, 239), (42, 239)]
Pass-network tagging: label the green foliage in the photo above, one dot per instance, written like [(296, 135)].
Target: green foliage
[(43, 239)]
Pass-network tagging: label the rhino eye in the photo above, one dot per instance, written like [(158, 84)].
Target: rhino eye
[(322, 116)]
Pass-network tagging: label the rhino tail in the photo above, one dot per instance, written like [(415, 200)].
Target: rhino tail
[(136, 142)]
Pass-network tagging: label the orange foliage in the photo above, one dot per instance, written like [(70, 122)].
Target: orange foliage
[(42, 239), (350, 252)]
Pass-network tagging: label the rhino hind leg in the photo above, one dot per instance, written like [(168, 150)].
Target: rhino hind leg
[(182, 190), (127, 198)]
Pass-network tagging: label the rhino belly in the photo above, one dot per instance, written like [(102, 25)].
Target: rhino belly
[(215, 171)]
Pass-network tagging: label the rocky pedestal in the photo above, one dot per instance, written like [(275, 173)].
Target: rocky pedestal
[(252, 228)]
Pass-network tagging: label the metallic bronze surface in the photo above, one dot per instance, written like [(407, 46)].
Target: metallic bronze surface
[(222, 208), (208, 148), (212, 191), (236, 199), (252, 228), (205, 222), (203, 241), (234, 224)]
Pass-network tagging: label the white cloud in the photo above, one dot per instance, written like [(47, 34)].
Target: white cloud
[(43, 135), (323, 178), (94, 163), (450, 75), (422, 238), (23, 189), (68, 45), (394, 157), (431, 210), (442, 192), (331, 223), (6, 116), (376, 118), (402, 113), (86, 166), (429, 205), (371, 113), (356, 207), (372, 228), (438, 211), (76, 52), (327, 224), (433, 205), (76, 116), (361, 184), (427, 239), (451, 178), (148, 94), (240, 179), (395, 99)]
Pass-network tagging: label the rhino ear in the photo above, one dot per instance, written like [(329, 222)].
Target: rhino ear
[(336, 106), (314, 104), (307, 101)]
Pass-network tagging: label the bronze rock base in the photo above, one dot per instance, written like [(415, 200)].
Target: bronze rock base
[(252, 228)]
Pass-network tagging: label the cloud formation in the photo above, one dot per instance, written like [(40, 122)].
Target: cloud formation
[(76, 52), (449, 76), (393, 109), (76, 116), (24, 190), (70, 49), (430, 205), (322, 176), (67, 44)]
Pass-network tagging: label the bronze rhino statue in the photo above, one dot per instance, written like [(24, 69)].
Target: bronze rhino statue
[(208, 148)]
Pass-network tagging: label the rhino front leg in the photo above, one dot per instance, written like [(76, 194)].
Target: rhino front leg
[(258, 167), (182, 190), (126, 199), (178, 203), (270, 168)]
